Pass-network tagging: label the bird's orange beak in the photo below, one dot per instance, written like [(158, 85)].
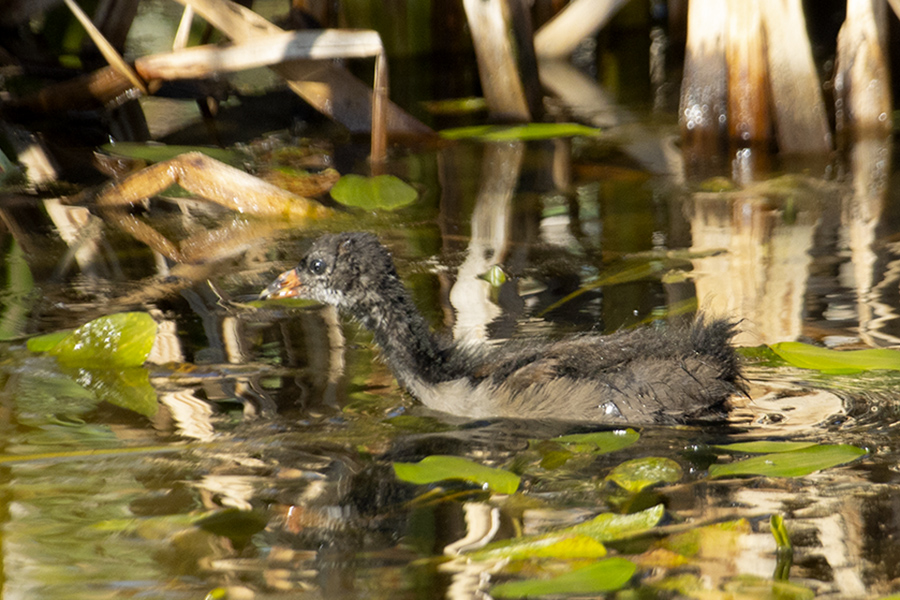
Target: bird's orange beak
[(288, 285)]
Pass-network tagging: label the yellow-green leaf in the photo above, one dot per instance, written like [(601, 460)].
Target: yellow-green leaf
[(601, 442), (764, 447), (116, 341), (603, 528), (790, 464), (608, 527), (604, 576), (384, 192), (635, 475), (806, 356), (779, 532), (531, 131), (438, 468), (561, 547)]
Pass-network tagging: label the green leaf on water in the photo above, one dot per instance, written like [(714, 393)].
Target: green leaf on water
[(603, 576), (806, 356), (116, 341), (764, 447), (560, 547), (609, 527), (531, 131), (601, 442), (796, 463), (634, 475), (570, 542), (383, 192), (44, 343), (432, 469)]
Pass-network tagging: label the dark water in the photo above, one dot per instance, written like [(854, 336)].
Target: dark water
[(261, 466)]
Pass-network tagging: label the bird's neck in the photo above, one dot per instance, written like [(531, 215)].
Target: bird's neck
[(409, 347)]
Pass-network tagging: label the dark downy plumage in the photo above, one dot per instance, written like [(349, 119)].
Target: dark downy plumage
[(641, 376)]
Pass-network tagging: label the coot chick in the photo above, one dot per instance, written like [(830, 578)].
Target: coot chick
[(642, 376)]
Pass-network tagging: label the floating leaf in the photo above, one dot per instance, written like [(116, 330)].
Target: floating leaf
[(561, 547), (116, 341), (806, 356), (45, 343), (608, 527), (438, 468), (765, 447), (790, 464), (635, 475), (603, 528), (531, 131), (373, 193), (601, 442), (604, 576), (154, 153)]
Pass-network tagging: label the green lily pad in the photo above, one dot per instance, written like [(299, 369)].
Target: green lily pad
[(609, 527), (604, 576), (531, 131), (601, 442), (560, 547), (116, 341), (384, 192), (45, 343), (635, 475), (154, 153), (790, 464), (806, 356), (432, 469), (571, 542), (765, 447)]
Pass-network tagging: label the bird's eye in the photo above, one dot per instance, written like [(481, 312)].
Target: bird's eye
[(317, 266)]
